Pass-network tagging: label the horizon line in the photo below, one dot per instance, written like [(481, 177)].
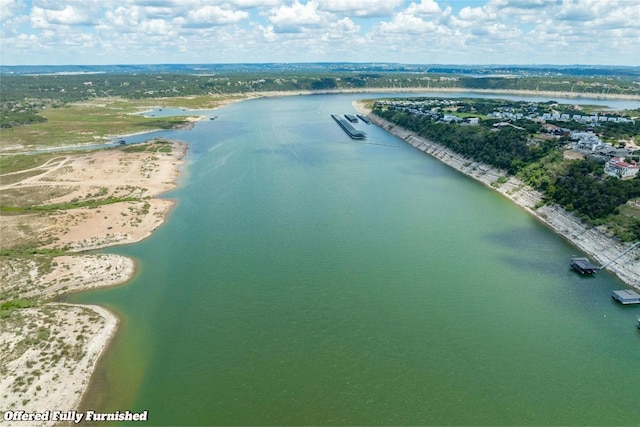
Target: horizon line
[(528, 65)]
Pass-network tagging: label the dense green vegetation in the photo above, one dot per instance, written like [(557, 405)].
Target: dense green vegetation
[(15, 304), (579, 186), (506, 149), (582, 188), (93, 203), (20, 117)]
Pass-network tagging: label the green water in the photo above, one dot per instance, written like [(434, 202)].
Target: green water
[(307, 279)]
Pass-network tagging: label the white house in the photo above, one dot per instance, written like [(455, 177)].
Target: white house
[(620, 169)]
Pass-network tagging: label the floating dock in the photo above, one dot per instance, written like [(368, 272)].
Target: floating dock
[(626, 296), (583, 266), (364, 118), (350, 130)]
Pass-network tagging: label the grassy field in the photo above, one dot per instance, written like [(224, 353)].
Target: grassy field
[(467, 115), (78, 124), (94, 121), (23, 162)]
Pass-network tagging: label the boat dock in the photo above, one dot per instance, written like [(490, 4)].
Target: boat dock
[(350, 130), (583, 266), (626, 296), (364, 118)]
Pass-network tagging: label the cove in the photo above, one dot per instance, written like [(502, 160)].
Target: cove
[(304, 278)]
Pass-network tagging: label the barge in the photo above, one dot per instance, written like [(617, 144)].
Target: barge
[(350, 130), (583, 266), (364, 118)]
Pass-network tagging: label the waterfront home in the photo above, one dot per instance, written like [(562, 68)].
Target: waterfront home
[(618, 168)]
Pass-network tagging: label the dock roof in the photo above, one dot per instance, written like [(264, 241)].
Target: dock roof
[(583, 263), (626, 296)]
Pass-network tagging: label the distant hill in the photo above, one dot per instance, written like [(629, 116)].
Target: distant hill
[(340, 67)]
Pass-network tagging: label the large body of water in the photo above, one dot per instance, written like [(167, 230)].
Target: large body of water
[(307, 279)]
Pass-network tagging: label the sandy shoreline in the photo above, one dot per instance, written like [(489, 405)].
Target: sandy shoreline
[(51, 349), (596, 242)]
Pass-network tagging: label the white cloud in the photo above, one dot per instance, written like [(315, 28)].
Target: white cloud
[(248, 4), (9, 8), (267, 33), (46, 13), (161, 12), (417, 31), (122, 19), (214, 15), (158, 27), (424, 8), (360, 8), (297, 17), (407, 24)]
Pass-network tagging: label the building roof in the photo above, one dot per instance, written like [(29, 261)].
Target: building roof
[(627, 295), (583, 263), (618, 162)]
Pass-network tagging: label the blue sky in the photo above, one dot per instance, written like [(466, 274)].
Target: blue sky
[(58, 32)]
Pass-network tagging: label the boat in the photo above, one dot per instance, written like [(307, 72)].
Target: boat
[(122, 142), (638, 325), (351, 118), (583, 266)]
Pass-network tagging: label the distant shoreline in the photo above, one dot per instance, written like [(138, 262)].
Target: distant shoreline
[(513, 92)]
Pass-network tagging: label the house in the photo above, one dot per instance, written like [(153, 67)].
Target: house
[(618, 168), (449, 118), (552, 129), (587, 141)]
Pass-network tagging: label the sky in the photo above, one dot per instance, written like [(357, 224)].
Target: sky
[(518, 32)]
